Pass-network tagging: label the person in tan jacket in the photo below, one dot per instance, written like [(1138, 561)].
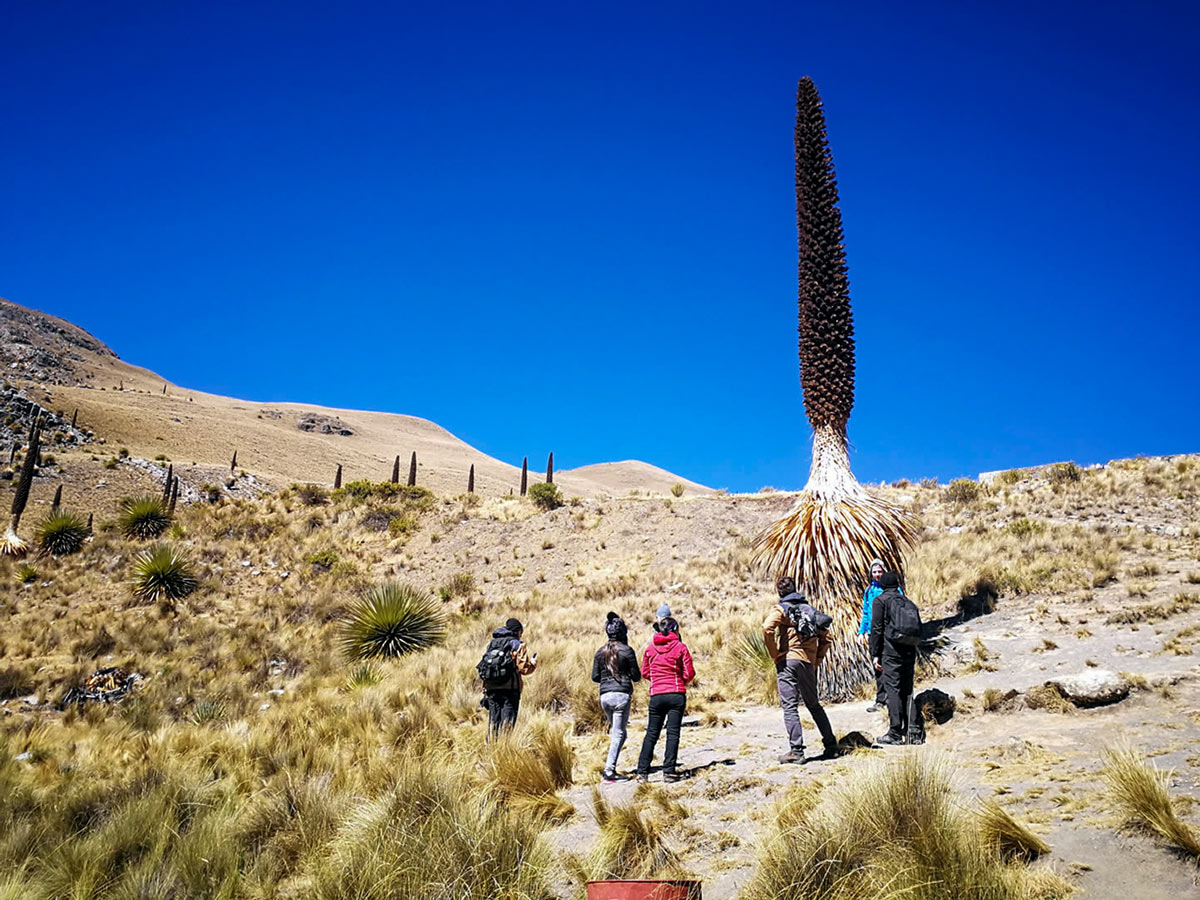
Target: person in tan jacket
[(796, 661), (502, 696)]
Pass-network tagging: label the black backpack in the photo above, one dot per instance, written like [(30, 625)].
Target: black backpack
[(807, 621), (497, 667), (903, 621)]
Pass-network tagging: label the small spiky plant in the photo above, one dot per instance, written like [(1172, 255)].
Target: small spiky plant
[(836, 528), (61, 533), (392, 619), (12, 545), (143, 517), (163, 573)]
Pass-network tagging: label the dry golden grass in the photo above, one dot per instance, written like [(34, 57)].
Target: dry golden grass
[(1139, 791), (889, 831)]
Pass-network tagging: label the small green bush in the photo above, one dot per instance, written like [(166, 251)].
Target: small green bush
[(1012, 476), (322, 560), (392, 619), (1023, 528), (545, 496), (677, 489), (28, 574), (143, 517), (963, 490), (1064, 473), (163, 573), (402, 525), (61, 533), (461, 584), (413, 496)]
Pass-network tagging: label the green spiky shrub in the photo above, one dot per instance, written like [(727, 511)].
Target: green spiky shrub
[(143, 517), (163, 573), (545, 496), (364, 675), (392, 619), (61, 533), (28, 574)]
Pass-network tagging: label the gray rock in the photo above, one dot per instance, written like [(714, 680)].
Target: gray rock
[(1092, 687)]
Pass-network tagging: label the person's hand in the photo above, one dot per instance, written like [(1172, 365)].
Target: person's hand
[(878, 664)]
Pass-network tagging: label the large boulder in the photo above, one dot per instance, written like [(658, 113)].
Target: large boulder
[(1092, 687)]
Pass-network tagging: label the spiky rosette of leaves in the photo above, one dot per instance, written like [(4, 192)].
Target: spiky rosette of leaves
[(143, 517), (392, 619), (163, 573), (836, 528), (61, 533)]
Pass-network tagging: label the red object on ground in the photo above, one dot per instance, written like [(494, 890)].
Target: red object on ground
[(643, 890)]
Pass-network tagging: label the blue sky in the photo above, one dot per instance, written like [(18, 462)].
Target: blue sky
[(570, 227)]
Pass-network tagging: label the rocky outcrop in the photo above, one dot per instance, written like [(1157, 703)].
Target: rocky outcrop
[(320, 424)]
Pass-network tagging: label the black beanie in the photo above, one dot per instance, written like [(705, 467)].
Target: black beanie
[(514, 625), (889, 580), (786, 585), (616, 629)]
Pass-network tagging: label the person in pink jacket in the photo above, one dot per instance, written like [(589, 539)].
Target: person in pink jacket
[(667, 664)]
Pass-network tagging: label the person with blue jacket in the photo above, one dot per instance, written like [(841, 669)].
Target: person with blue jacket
[(864, 629)]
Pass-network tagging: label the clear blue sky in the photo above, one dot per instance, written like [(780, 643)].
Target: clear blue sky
[(570, 227)]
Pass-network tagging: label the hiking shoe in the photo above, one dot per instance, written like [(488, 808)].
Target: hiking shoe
[(832, 751), (874, 707), (793, 756), (610, 777), (672, 777), (890, 740), (643, 779), (916, 739)]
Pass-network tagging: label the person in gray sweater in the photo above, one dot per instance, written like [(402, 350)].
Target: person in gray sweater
[(615, 669)]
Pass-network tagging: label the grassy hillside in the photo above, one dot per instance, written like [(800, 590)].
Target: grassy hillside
[(257, 759)]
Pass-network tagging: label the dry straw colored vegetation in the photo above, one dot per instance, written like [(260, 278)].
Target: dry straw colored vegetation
[(1138, 790), (258, 761), (895, 830)]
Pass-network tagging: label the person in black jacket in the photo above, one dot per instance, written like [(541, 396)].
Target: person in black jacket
[(894, 660), (615, 669)]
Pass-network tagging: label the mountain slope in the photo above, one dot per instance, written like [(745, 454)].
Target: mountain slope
[(279, 443)]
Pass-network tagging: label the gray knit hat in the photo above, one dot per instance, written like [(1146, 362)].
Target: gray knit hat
[(663, 611)]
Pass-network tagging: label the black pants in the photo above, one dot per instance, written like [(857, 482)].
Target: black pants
[(880, 690), (898, 661), (502, 709), (666, 708)]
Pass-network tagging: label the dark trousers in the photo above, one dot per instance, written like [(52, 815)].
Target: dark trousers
[(666, 708), (880, 690), (797, 681), (898, 661), (502, 709)]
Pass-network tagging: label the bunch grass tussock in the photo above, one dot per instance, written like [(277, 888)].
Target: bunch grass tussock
[(894, 830), (163, 573), (632, 842), (527, 768), (1139, 791)]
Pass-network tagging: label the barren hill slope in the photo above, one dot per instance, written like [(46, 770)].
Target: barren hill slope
[(279, 443)]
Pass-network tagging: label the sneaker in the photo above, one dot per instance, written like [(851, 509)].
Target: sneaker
[(672, 777), (890, 740), (609, 777), (793, 756), (874, 707), (643, 779)]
